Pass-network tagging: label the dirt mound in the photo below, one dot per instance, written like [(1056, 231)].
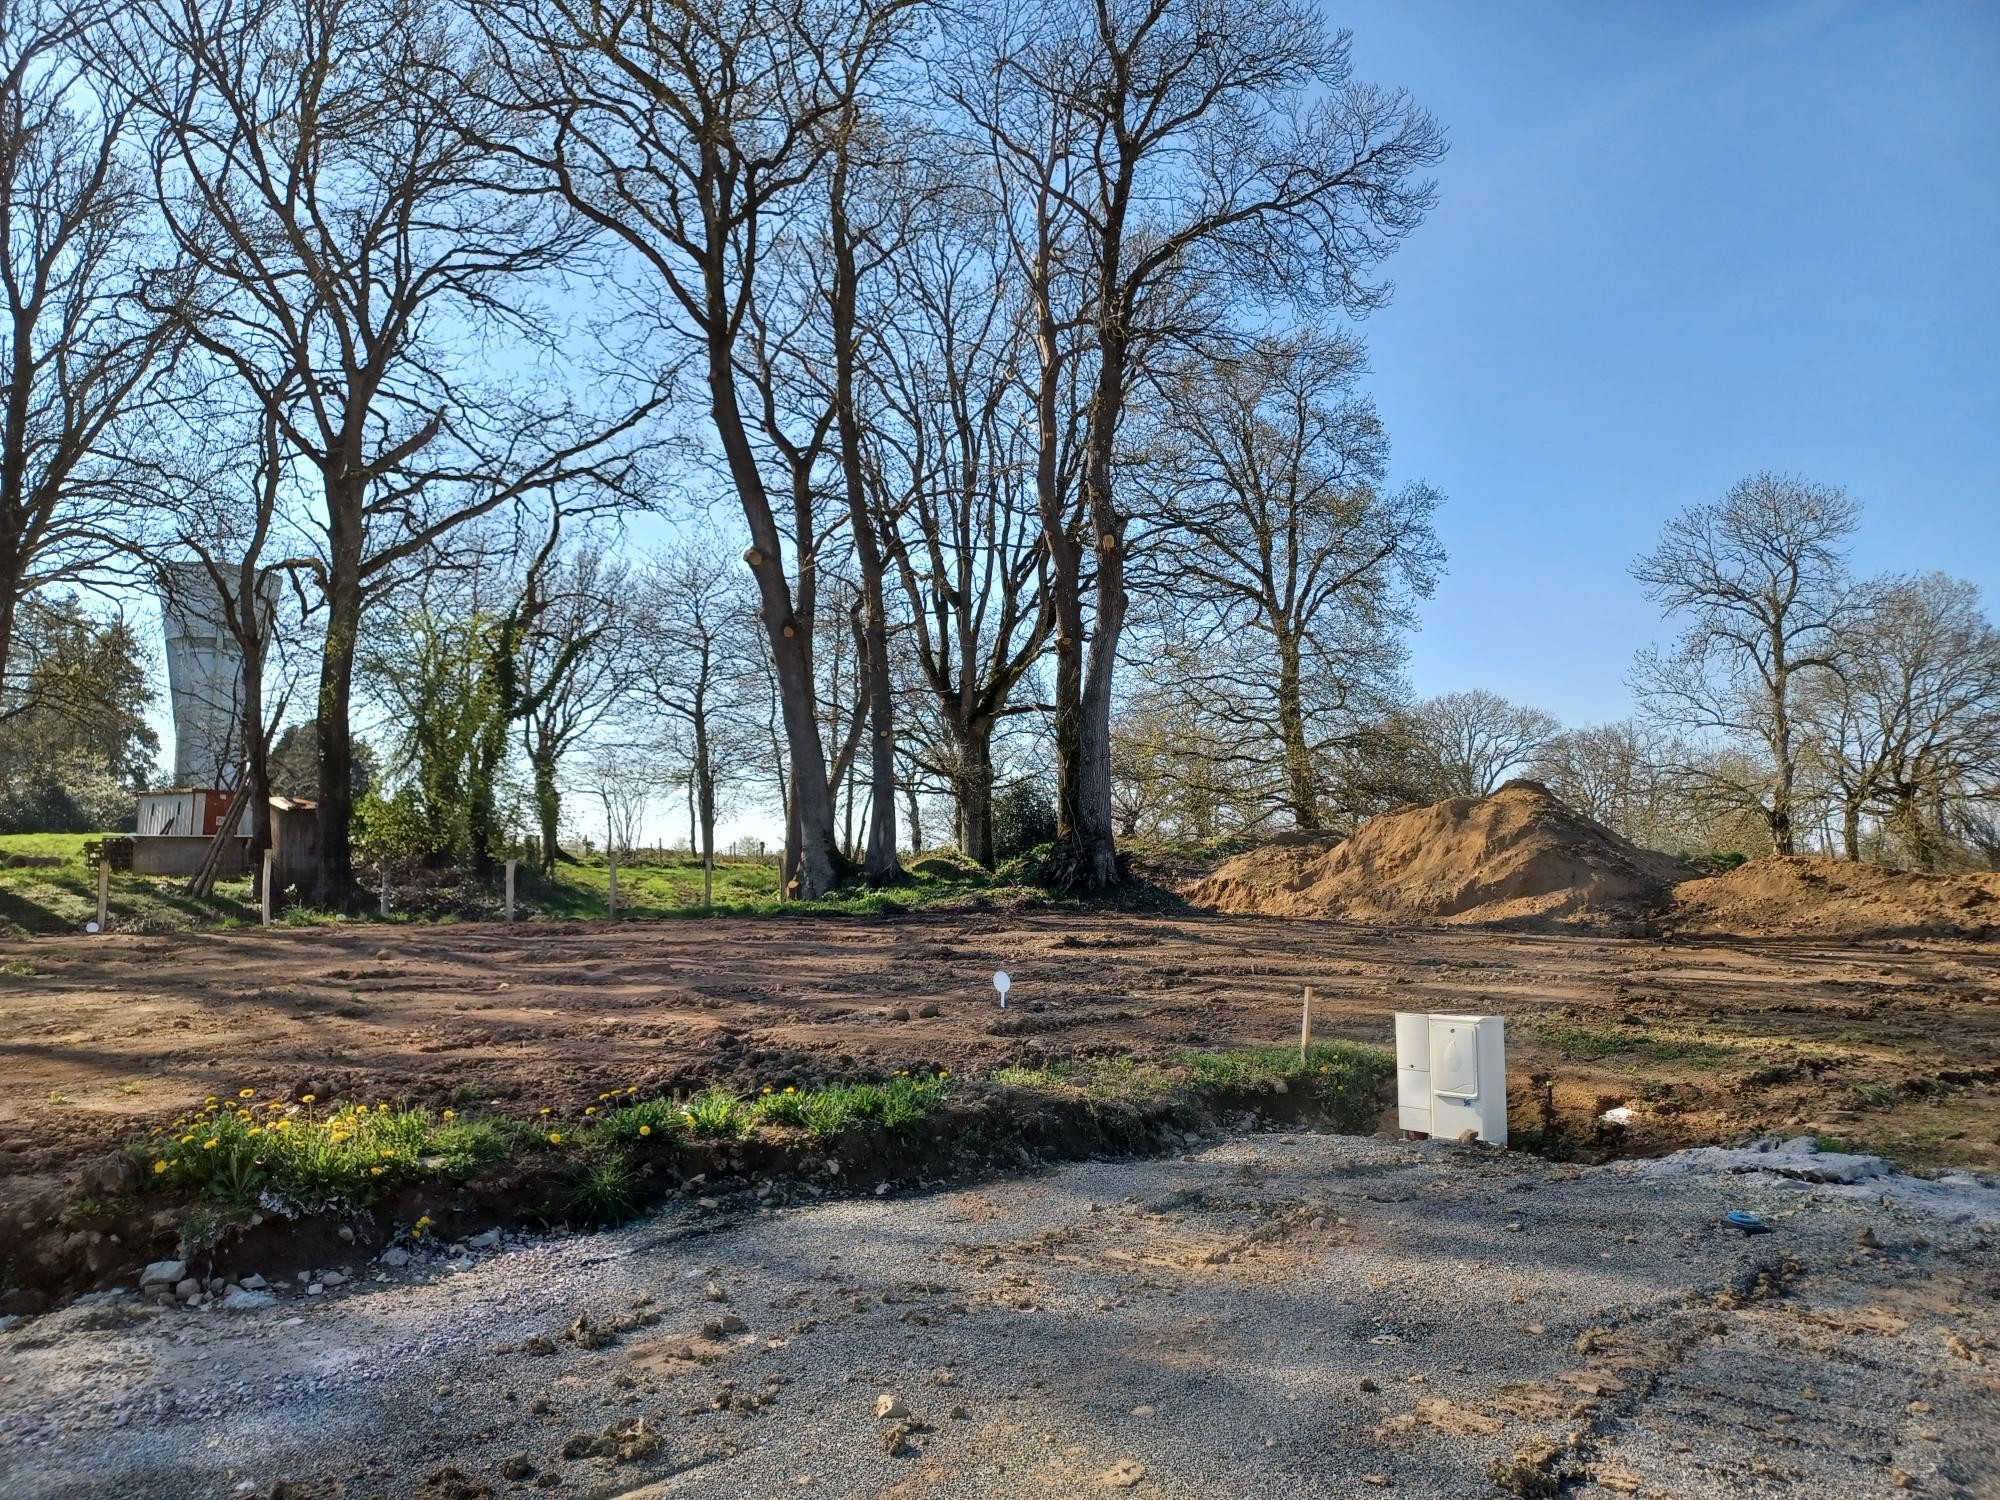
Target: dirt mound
[(1516, 855), (1812, 896)]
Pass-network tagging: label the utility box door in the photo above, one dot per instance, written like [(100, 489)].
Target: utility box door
[(1469, 1077), (1455, 1056), (1413, 1072)]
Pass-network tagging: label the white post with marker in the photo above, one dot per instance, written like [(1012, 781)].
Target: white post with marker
[(1003, 984)]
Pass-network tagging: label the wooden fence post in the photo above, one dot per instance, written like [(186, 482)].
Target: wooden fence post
[(1306, 1025), (270, 867), (385, 885), (511, 864), (103, 890), (611, 896)]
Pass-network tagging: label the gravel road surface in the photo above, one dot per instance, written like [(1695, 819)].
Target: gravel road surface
[(1263, 1316)]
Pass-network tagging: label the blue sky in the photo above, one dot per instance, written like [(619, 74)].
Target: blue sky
[(1677, 243)]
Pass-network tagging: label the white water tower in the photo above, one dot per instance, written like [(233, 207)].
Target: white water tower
[(204, 677), (1451, 1075)]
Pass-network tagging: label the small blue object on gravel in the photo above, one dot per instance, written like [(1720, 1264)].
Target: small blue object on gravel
[(1749, 1223)]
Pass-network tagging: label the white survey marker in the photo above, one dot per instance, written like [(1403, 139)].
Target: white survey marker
[(1003, 984), (1451, 1075)]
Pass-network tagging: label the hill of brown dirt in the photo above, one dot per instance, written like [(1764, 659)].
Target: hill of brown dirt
[(1811, 896), (1516, 855)]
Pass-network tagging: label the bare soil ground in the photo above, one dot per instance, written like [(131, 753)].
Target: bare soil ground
[(1890, 1047)]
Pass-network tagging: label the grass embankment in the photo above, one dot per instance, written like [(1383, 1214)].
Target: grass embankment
[(285, 1165), (39, 897)]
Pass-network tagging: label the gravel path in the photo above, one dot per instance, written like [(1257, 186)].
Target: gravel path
[(1311, 1316)]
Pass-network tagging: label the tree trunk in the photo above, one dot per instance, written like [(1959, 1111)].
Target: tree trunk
[(548, 805), (813, 862), (10, 599), (1065, 577), (705, 796), (916, 817), (1086, 855), (333, 886), (879, 863), (256, 757), (973, 790), (1301, 785)]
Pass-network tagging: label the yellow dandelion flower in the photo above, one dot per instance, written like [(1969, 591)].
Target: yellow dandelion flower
[(255, 1130), (188, 1137), (544, 1110), (767, 1088), (632, 1089), (380, 1105), (555, 1137), (246, 1093), (307, 1098), (602, 1097), (210, 1144), (645, 1130), (387, 1154), (451, 1114), (374, 1171), (209, 1100), (282, 1125), (159, 1167), (943, 1074), (790, 1090), (592, 1110)]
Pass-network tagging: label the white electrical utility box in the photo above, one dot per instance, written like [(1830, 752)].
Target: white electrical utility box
[(1451, 1075)]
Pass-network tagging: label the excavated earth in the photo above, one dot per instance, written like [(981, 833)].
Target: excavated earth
[(1518, 855), (1261, 1316)]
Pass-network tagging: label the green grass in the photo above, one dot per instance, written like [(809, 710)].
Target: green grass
[(61, 898), (670, 886), (832, 1111), (715, 1113), (236, 1149), (1346, 1083), (231, 1153), (1578, 1041)]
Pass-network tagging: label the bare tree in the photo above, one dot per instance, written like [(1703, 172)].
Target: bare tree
[(1760, 578), (952, 461), (690, 615), (689, 134), (1286, 573), (77, 348), (1909, 717), (1150, 154), (359, 251), (1474, 741), (576, 668)]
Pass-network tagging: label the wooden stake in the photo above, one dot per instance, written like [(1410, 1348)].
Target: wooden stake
[(510, 887), (270, 866), (385, 885), (103, 890), (1306, 1025), (611, 860)]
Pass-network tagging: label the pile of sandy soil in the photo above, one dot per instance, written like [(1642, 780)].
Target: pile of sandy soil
[(1811, 896), (1518, 855)]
